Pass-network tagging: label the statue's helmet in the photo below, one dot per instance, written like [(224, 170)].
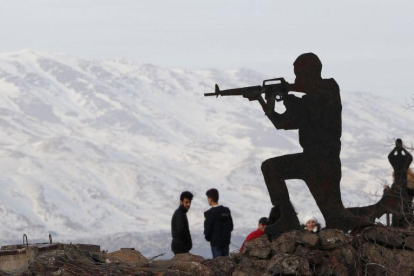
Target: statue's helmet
[(308, 63)]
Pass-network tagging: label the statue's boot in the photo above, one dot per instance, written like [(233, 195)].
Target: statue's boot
[(345, 221), (391, 202), (287, 221)]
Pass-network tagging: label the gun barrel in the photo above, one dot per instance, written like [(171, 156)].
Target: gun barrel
[(210, 94)]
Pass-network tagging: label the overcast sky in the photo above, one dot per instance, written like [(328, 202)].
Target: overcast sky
[(365, 45)]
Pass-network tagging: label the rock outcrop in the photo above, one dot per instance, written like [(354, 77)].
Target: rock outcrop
[(372, 251)]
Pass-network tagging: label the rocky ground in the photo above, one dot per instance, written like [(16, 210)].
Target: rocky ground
[(374, 250)]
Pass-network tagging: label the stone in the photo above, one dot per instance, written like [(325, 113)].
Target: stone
[(258, 248), (332, 238), (386, 236), (288, 264), (187, 257), (325, 266), (340, 270), (163, 272), (302, 250), (285, 244), (221, 266), (391, 261), (409, 242), (195, 268), (246, 272), (237, 257), (129, 256), (309, 239), (249, 267), (288, 241), (347, 256)]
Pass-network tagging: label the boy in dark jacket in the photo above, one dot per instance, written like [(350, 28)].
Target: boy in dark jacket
[(181, 237), (218, 225)]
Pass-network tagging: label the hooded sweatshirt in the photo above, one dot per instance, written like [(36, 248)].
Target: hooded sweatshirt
[(218, 225)]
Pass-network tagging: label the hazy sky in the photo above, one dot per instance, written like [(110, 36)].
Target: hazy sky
[(365, 45)]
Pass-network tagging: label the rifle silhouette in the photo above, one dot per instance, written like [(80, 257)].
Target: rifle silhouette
[(273, 92)]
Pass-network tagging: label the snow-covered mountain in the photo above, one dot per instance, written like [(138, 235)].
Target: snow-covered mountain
[(100, 150)]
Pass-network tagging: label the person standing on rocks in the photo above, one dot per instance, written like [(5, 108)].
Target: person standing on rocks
[(218, 225), (181, 237), (256, 234)]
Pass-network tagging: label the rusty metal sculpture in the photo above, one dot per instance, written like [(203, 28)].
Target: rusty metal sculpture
[(317, 116), (398, 199)]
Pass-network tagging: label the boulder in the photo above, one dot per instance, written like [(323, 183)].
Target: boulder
[(332, 238), (239, 271), (308, 238), (325, 266), (187, 257), (346, 256), (237, 257), (285, 244), (386, 236), (288, 241), (250, 267), (259, 248), (340, 270), (288, 264), (129, 256), (194, 268), (302, 250), (409, 242), (167, 272), (221, 266), (387, 260)]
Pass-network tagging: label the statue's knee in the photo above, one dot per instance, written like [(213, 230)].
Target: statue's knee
[(267, 166)]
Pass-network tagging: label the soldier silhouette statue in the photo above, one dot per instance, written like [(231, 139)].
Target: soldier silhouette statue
[(317, 116)]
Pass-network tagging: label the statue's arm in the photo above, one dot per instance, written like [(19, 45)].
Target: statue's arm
[(391, 156), (409, 156), (289, 119)]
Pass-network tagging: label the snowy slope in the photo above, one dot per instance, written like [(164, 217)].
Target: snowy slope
[(99, 150)]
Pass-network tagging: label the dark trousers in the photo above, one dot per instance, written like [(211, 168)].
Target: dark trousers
[(220, 251)]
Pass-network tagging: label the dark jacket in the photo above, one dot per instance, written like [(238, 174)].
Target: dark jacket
[(218, 225), (181, 242)]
